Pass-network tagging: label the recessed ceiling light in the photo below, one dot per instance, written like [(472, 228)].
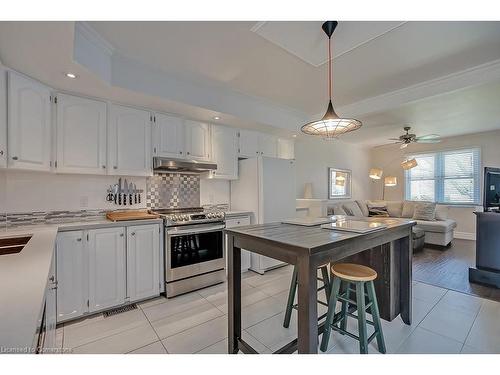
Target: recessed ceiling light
[(71, 75), (216, 118)]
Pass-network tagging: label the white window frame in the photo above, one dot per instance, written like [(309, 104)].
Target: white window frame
[(439, 177)]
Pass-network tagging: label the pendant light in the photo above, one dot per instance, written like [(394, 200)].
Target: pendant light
[(331, 125)]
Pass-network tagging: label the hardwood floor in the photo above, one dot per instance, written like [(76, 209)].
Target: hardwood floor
[(449, 268)]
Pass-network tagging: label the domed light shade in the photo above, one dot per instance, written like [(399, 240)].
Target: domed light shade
[(376, 173), (390, 181), (409, 164), (331, 125)]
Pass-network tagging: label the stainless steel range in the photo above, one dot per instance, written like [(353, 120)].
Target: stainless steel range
[(194, 249)]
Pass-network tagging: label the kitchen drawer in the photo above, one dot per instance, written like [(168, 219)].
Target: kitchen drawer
[(237, 221)]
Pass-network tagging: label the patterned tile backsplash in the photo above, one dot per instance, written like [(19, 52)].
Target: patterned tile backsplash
[(173, 190), (50, 217)]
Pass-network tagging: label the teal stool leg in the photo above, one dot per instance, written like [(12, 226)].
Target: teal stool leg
[(376, 317), (326, 281), (360, 300), (331, 314), (345, 307), (291, 298)]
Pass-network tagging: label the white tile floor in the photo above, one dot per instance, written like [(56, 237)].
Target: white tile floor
[(444, 321)]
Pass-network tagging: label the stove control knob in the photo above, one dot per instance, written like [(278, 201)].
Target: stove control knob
[(185, 217), (174, 218), (210, 215)]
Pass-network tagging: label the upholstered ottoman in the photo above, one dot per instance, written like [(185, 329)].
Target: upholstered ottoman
[(418, 239)]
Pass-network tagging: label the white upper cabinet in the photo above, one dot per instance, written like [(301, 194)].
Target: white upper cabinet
[(143, 261), (249, 144), (129, 141), (225, 152), (81, 135), (268, 145), (168, 136), (29, 126), (197, 140), (3, 118), (286, 148), (107, 277)]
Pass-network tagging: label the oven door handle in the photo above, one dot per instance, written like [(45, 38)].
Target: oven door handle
[(180, 232)]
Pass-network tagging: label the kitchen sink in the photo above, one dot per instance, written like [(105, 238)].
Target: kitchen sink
[(13, 245)]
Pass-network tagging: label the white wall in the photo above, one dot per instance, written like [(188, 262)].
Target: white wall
[(314, 156), (389, 157)]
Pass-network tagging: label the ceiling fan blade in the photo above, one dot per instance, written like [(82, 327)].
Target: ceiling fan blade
[(393, 139), (428, 136), (435, 140), (404, 145), (388, 144)]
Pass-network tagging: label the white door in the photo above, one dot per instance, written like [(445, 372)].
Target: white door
[(72, 275), (197, 144), (129, 141), (168, 136), (3, 118), (81, 135), (29, 136), (106, 248), (143, 261), (249, 144), (268, 145), (286, 148), (225, 152), (245, 255)]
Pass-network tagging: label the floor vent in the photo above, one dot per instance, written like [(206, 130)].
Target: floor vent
[(119, 310)]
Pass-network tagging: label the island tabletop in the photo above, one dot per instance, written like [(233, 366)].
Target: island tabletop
[(388, 251)]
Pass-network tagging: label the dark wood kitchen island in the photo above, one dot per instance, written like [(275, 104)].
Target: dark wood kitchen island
[(388, 251)]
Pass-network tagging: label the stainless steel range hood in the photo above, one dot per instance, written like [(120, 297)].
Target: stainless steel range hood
[(169, 165)]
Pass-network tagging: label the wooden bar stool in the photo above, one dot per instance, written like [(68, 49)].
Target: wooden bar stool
[(293, 289), (361, 277)]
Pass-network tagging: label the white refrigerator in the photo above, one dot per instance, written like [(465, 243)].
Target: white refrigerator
[(265, 187)]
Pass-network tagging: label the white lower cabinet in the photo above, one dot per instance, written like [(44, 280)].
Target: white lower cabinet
[(72, 275), (102, 268), (107, 278), (143, 261), (240, 221), (3, 118)]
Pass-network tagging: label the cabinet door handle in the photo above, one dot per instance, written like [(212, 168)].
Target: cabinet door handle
[(1, 152), (115, 167), (188, 153), (180, 152), (103, 167), (121, 234), (79, 239), (133, 233), (52, 278), (15, 158)]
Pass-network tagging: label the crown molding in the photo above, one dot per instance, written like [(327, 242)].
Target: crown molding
[(475, 76)]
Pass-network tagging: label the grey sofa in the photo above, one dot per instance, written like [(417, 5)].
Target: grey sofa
[(437, 232)]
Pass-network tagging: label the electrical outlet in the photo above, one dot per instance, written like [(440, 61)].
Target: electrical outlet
[(84, 201)]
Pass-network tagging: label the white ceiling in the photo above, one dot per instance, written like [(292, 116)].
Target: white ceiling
[(278, 66)]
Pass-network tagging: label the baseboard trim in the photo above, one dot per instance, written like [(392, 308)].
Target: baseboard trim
[(465, 236)]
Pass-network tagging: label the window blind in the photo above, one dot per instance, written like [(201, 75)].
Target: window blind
[(451, 177)]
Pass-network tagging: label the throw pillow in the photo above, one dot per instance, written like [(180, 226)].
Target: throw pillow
[(364, 208), (408, 208), (339, 210), (425, 211), (395, 208), (377, 209), (352, 209), (441, 212)]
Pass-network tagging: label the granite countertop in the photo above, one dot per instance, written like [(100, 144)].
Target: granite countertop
[(23, 277)]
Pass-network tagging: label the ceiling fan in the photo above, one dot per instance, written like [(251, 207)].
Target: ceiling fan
[(408, 138)]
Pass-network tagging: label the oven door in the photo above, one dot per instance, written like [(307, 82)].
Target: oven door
[(193, 250)]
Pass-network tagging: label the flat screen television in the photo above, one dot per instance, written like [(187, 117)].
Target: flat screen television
[(491, 188)]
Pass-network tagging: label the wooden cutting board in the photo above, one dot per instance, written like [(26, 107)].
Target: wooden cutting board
[(130, 215)]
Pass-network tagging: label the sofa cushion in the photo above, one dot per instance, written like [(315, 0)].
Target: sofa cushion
[(394, 208), (363, 207), (352, 209), (337, 209), (377, 209), (425, 211), (408, 208), (438, 226), (441, 212)]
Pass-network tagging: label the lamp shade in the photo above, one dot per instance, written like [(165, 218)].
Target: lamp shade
[(376, 173), (390, 181), (409, 164)]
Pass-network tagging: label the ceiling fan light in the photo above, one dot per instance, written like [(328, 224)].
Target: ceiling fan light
[(409, 164), (390, 181), (375, 173)]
